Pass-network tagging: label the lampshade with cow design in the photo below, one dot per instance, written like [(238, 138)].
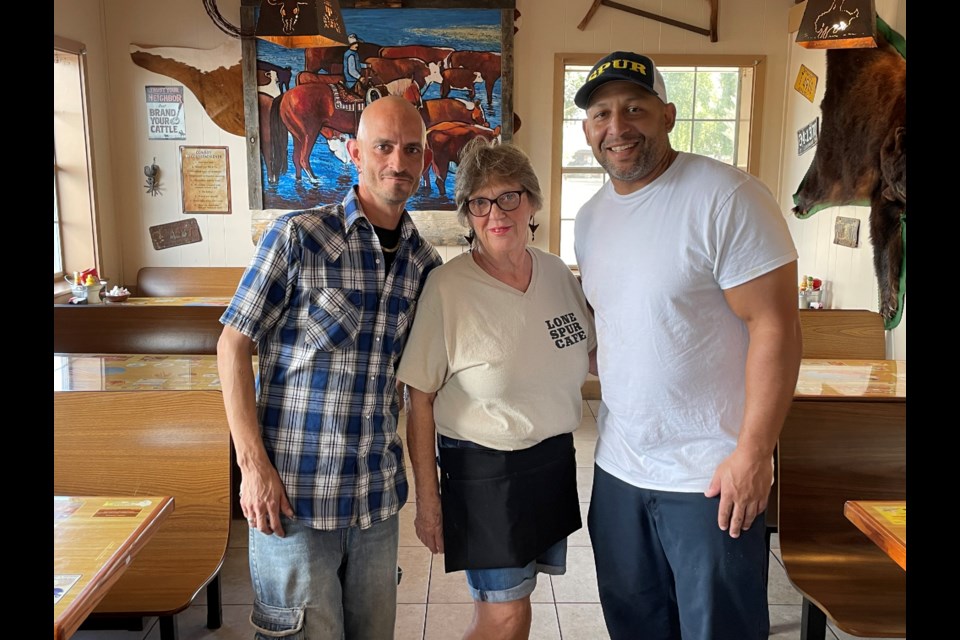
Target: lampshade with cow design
[(838, 24), (299, 24)]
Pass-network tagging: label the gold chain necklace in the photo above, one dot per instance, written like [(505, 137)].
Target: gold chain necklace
[(392, 249)]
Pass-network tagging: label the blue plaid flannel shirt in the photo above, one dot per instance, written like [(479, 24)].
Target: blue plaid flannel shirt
[(330, 329)]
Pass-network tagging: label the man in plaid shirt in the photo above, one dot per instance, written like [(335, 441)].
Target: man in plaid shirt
[(328, 301)]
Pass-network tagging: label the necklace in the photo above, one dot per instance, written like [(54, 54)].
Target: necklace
[(392, 249)]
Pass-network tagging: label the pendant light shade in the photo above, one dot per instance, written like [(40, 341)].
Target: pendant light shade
[(301, 24), (838, 24)]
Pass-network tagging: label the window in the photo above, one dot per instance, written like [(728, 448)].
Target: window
[(57, 245), (718, 115), (74, 198)]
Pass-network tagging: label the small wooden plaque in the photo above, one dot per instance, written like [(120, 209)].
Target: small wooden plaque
[(846, 232), (175, 234)]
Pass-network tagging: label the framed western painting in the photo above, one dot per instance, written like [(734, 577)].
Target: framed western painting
[(301, 106)]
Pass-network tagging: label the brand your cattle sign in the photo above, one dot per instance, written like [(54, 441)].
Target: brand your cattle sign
[(165, 117)]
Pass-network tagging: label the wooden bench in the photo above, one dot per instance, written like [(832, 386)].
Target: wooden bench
[(852, 334), (154, 443), (830, 452), (188, 281), (109, 328)]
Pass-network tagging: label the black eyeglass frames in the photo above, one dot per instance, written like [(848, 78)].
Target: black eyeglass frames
[(507, 201)]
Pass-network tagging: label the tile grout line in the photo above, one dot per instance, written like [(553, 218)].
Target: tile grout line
[(426, 606)]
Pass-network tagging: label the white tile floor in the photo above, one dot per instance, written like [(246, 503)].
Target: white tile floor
[(433, 605)]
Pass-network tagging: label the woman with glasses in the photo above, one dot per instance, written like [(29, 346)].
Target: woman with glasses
[(500, 347)]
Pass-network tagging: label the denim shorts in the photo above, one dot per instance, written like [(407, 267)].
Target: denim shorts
[(510, 583), (504, 585)]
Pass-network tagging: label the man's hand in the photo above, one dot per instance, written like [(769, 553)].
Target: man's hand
[(263, 498), (429, 523), (743, 482)]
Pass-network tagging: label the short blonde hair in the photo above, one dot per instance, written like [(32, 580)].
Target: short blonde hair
[(484, 162)]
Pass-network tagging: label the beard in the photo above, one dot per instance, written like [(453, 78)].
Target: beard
[(649, 154)]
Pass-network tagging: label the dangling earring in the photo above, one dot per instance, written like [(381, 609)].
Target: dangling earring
[(470, 237), (533, 229)]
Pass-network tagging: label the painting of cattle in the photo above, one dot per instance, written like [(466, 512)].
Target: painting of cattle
[(446, 62)]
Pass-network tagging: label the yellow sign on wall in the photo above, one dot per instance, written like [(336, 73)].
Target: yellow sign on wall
[(806, 83)]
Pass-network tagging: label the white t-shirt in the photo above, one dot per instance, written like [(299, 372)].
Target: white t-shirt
[(507, 365), (671, 353)]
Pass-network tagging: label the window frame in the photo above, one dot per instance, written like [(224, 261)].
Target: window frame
[(562, 60), (76, 215)]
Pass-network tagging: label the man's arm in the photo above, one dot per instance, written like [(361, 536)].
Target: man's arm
[(421, 443), (262, 495), (768, 306)]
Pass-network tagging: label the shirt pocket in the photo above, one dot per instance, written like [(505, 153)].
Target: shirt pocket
[(404, 309), (333, 318)]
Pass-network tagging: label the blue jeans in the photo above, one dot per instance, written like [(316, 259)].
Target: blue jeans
[(666, 568), (325, 585)]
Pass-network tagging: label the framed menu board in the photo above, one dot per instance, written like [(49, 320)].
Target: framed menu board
[(205, 179)]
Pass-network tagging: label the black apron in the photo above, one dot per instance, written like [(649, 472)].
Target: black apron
[(504, 508)]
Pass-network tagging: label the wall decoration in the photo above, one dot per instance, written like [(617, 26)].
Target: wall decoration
[(175, 234), (846, 232), (711, 32), (807, 137), (806, 84), (205, 179), (861, 158), (152, 171), (212, 75), (454, 64), (165, 117)]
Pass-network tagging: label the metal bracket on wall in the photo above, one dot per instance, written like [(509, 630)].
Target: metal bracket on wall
[(711, 32)]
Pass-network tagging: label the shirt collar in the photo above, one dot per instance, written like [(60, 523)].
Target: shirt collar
[(353, 213)]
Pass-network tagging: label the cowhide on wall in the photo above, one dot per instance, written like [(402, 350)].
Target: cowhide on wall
[(861, 155), (213, 75)]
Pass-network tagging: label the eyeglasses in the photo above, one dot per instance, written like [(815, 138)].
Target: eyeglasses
[(507, 201)]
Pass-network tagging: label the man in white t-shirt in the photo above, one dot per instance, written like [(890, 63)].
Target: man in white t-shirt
[(692, 274)]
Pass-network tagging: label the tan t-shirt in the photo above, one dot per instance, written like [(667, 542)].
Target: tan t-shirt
[(507, 365)]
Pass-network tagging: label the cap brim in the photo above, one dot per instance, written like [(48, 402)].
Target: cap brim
[(582, 97)]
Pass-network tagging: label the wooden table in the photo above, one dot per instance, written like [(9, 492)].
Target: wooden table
[(119, 372), (94, 540), (884, 522), (105, 372), (859, 380)]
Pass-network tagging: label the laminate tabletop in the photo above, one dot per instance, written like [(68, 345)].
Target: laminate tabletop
[(94, 541)]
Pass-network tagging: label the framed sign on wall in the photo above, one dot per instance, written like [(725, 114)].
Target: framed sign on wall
[(205, 179)]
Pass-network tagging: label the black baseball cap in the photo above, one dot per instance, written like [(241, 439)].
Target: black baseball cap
[(622, 65)]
